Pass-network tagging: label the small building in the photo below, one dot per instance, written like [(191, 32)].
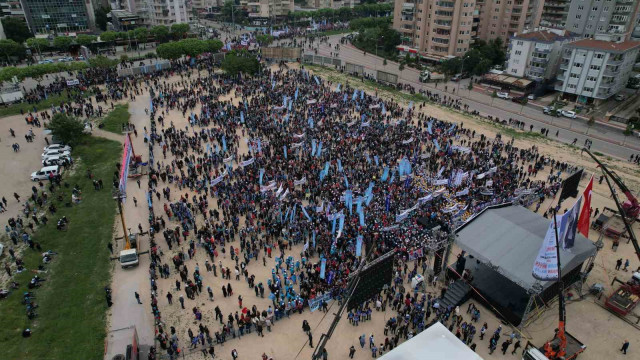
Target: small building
[(535, 55), (123, 20), (593, 70)]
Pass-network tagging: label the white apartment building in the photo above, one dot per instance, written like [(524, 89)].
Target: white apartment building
[(333, 4), (161, 12), (535, 55), (260, 11), (593, 70)]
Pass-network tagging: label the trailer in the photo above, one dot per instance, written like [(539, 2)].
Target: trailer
[(122, 344), (574, 347), (354, 69), (626, 297), (387, 78)]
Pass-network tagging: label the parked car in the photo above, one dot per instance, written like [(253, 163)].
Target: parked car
[(55, 160), (621, 97), (456, 77), (520, 99), (43, 174), (568, 113), (57, 147), (532, 97), (55, 153), (48, 61), (549, 110), (503, 95), (80, 58)]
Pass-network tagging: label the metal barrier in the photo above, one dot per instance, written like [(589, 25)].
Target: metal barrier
[(137, 70), (321, 60), (354, 69)]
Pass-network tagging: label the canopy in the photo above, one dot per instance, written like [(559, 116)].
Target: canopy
[(434, 343)]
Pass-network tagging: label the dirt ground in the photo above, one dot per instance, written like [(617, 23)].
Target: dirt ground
[(599, 329)]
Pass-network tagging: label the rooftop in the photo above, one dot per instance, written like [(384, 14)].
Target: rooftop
[(543, 36), (604, 45), (122, 14)]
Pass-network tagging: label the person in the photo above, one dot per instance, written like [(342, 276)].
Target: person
[(310, 339), (325, 354), (618, 264), (625, 346), (626, 265), (352, 351), (362, 341), (137, 297), (234, 354)]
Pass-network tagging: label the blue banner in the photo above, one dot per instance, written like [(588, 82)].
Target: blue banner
[(261, 175), (224, 143), (359, 245), (285, 151), (323, 267)]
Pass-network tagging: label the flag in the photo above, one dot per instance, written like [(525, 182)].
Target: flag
[(323, 267), (585, 214), (569, 226), (261, 175), (359, 245), (285, 151)]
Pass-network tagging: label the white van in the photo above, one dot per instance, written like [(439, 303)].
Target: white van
[(43, 174), (128, 258)]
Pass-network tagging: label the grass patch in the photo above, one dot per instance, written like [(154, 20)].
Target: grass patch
[(71, 322), (598, 153), (114, 121), (54, 100)]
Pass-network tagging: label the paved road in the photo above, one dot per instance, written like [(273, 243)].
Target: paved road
[(606, 139)]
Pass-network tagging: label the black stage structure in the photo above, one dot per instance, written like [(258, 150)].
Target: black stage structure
[(501, 244)]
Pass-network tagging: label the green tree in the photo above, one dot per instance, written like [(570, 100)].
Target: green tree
[(38, 44), (85, 40), (108, 36), (10, 48), (62, 42), (401, 66), (102, 62), (16, 29), (213, 45), (124, 58), (160, 33), (102, 18), (264, 39), (68, 129), (170, 50), (141, 34), (192, 47), (240, 62), (179, 30)]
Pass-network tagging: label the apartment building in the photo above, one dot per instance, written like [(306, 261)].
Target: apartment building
[(333, 4), (592, 70), (617, 18), (535, 55), (59, 16), (262, 10), (554, 13), (163, 12), (437, 29), (505, 18), (11, 8)]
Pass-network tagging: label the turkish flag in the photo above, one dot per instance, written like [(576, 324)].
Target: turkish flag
[(583, 220)]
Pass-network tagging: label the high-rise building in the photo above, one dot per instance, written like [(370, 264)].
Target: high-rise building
[(163, 12), (505, 18), (437, 29), (59, 16), (535, 55), (593, 70), (11, 8), (333, 4), (617, 18), (554, 13)]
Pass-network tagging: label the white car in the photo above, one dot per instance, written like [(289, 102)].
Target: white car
[(43, 174), (55, 160), (50, 153), (503, 95), (57, 147), (568, 113)]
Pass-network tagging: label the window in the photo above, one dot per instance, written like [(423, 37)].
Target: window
[(520, 43), (587, 89), (577, 65), (578, 16), (514, 71), (571, 86), (595, 8), (580, 7), (518, 52), (591, 78), (574, 75), (605, 9), (594, 67), (599, 55), (591, 17)]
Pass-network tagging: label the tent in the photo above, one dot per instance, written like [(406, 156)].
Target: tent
[(434, 343)]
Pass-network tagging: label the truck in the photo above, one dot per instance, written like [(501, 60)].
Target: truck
[(123, 344), (573, 348), (427, 76), (129, 256), (626, 297)]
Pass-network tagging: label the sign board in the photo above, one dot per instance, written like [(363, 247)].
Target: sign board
[(73, 82)]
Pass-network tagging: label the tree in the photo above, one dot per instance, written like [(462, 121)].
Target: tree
[(213, 45), (62, 42), (85, 40), (108, 36), (384, 62), (240, 62), (179, 30), (38, 44), (16, 29), (160, 33), (401, 66), (11, 48), (68, 129), (264, 39), (141, 34), (170, 50), (192, 47), (124, 58), (102, 17), (102, 62)]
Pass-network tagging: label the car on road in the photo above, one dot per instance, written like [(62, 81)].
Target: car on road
[(80, 58), (532, 97), (47, 61), (551, 111), (520, 100), (621, 97), (456, 77), (43, 174), (57, 147), (503, 95), (50, 153), (568, 113)]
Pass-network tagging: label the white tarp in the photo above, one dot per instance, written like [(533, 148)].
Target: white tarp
[(434, 343)]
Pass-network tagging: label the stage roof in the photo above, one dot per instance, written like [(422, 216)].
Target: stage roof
[(434, 343), (509, 238)]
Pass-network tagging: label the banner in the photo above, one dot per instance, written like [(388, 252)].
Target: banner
[(247, 162), (441, 182), (124, 168), (228, 160), (463, 192), (269, 187), (409, 141), (545, 267), (569, 225), (218, 179), (323, 267), (315, 303), (300, 182), (359, 245)]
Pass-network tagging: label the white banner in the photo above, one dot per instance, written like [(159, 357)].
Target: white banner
[(271, 186), (301, 181), (441, 182), (228, 160), (408, 141), (284, 195), (298, 135), (218, 179), (296, 145), (73, 82), (247, 162), (545, 267), (463, 192)]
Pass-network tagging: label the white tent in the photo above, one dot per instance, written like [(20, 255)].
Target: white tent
[(434, 343)]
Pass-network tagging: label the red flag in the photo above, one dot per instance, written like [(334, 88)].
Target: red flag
[(585, 214)]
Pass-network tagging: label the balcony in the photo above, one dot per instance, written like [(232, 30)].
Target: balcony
[(561, 76), (564, 66), (615, 61), (611, 72)]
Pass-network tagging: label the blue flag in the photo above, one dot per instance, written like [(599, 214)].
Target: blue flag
[(385, 174), (344, 98), (435, 142), (320, 149), (355, 94), (296, 94), (285, 151), (224, 143), (310, 121), (323, 267), (242, 117), (261, 175), (339, 165), (359, 245), (305, 213), (362, 219), (313, 147), (346, 182)]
